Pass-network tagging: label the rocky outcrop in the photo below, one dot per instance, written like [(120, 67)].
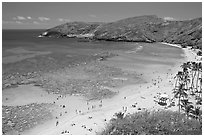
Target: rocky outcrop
[(17, 119), (73, 29), (149, 28)]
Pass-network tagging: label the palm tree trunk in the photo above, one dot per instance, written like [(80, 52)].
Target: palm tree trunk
[(176, 82), (179, 103), (186, 84), (186, 81), (201, 86), (197, 80), (192, 83)]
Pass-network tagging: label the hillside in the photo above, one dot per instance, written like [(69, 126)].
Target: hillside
[(188, 34), (148, 28)]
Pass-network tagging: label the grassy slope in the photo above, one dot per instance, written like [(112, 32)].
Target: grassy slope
[(153, 123)]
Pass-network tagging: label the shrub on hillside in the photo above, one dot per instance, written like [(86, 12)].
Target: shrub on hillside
[(153, 123)]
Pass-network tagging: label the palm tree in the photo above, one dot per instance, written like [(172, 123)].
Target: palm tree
[(197, 112), (185, 67), (179, 76), (192, 75), (194, 69), (201, 86), (187, 106), (180, 93), (199, 69), (185, 77)]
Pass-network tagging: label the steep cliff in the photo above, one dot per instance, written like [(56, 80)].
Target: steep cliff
[(188, 34)]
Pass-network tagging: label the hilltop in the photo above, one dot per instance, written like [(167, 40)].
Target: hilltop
[(148, 28)]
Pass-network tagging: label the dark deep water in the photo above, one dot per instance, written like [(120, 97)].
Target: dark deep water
[(29, 38), (64, 51)]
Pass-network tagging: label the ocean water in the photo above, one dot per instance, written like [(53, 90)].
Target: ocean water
[(29, 39), (68, 50)]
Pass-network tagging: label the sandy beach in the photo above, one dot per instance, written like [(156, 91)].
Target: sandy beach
[(75, 115)]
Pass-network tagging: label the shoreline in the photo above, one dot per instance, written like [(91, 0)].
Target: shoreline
[(142, 94), (189, 54), (144, 101), (173, 45)]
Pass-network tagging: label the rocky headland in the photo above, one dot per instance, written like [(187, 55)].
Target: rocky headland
[(148, 28)]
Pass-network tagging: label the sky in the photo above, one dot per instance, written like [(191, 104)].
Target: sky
[(43, 15)]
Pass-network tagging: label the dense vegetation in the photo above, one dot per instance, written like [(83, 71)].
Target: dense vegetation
[(148, 28), (153, 123), (186, 121), (188, 89)]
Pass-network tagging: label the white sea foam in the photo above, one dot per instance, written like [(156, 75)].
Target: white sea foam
[(139, 48)]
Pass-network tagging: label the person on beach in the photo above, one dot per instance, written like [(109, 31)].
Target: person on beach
[(124, 109), (80, 111), (93, 106), (57, 123)]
